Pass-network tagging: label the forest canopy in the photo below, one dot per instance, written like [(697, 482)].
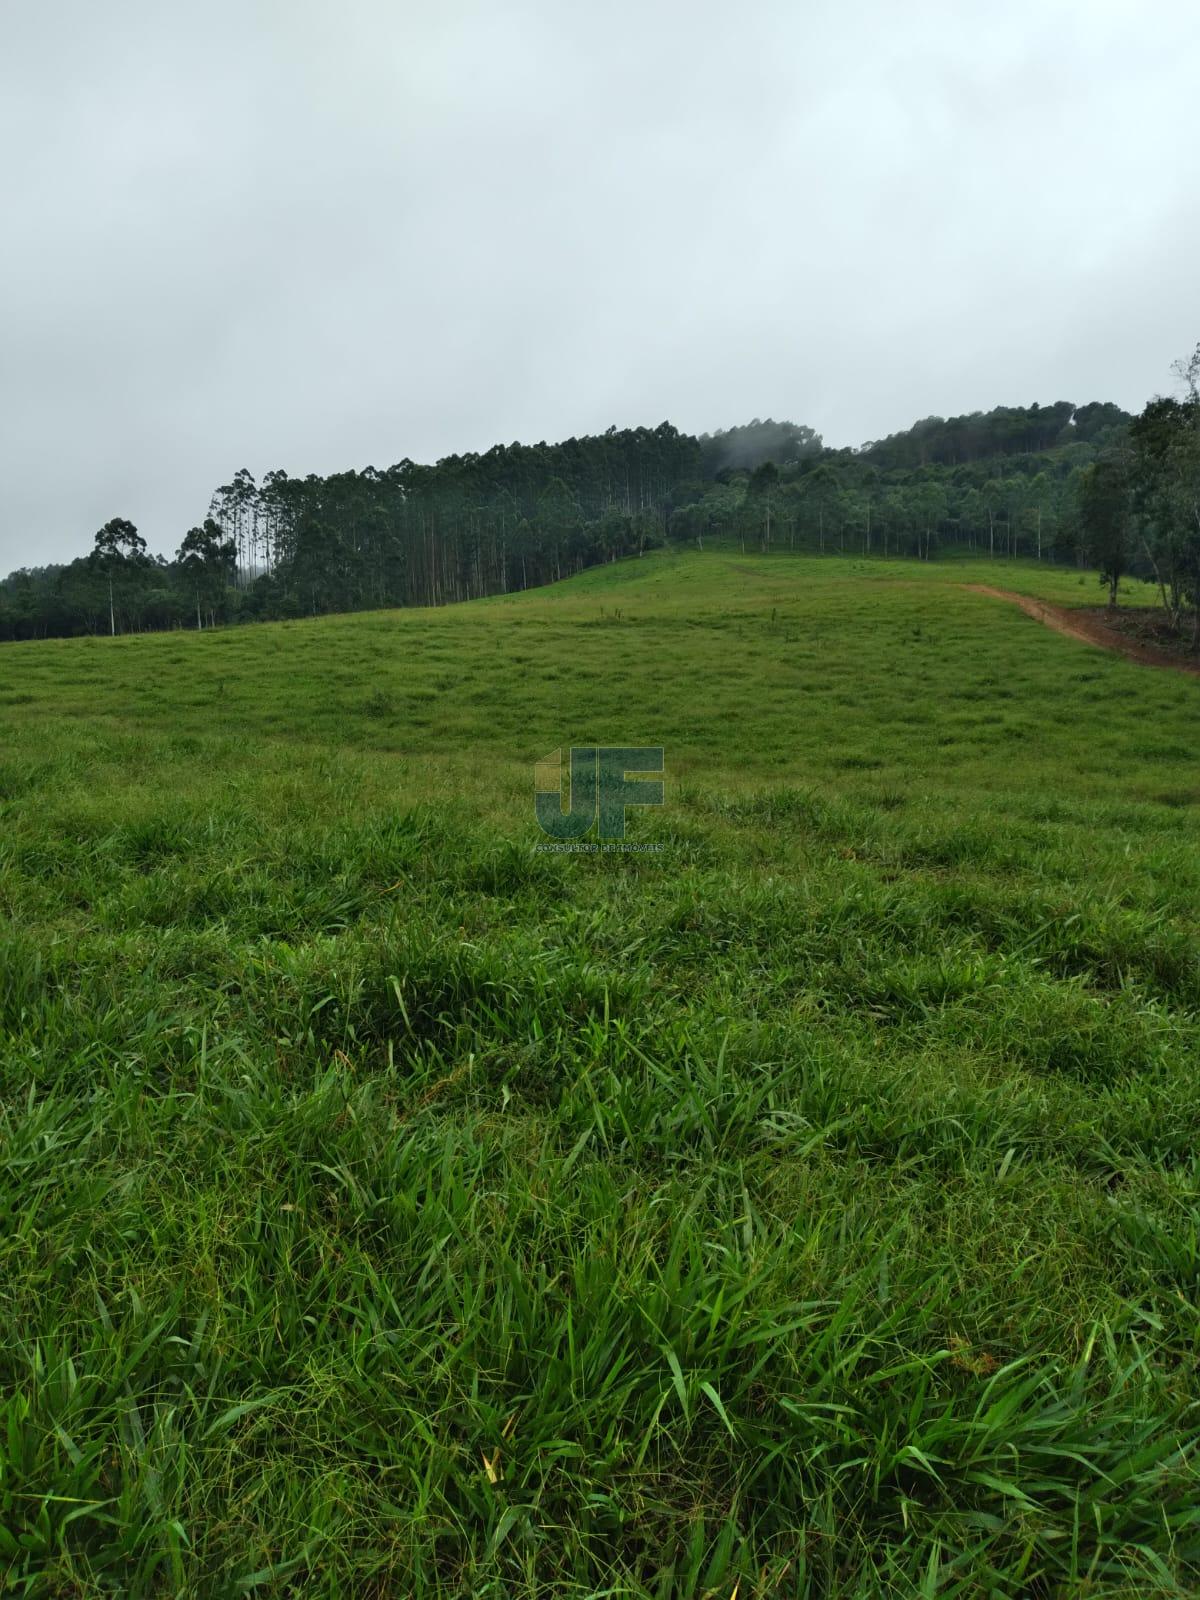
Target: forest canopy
[(1062, 482)]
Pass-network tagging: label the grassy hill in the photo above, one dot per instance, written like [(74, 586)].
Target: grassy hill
[(808, 1207)]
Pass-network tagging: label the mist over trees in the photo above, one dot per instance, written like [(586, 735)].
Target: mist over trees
[(1087, 485), (754, 443), (1001, 483)]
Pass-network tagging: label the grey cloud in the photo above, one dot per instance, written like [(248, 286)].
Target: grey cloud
[(316, 235)]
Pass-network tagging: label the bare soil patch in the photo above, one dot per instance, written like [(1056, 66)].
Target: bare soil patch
[(1138, 635)]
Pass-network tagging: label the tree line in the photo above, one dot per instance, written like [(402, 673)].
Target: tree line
[(1087, 485), (471, 525)]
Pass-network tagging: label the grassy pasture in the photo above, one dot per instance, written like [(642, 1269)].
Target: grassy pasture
[(809, 1208)]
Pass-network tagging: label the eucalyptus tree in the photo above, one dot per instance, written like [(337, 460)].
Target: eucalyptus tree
[(972, 515), (686, 524), (1016, 501), (557, 520), (236, 506), (1106, 511), (117, 549), (762, 493), (928, 507), (207, 563), (1166, 484), (821, 492), (724, 508), (994, 502), (1038, 506), (518, 515)]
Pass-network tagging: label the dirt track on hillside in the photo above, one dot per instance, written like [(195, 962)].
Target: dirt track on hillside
[(1087, 629)]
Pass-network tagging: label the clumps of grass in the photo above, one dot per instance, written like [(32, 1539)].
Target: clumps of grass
[(379, 705), (388, 1207)]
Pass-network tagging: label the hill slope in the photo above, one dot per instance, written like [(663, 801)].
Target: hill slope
[(519, 516), (810, 1205)]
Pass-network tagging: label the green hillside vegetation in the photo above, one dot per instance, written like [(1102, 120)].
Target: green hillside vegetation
[(1079, 486), (811, 1207)]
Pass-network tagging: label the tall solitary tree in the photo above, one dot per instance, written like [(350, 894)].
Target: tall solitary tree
[(117, 546)]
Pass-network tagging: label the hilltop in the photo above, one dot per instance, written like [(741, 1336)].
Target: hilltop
[(518, 516)]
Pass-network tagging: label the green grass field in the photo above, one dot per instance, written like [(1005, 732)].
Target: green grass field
[(810, 1208)]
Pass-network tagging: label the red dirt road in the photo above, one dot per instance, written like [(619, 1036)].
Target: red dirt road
[(1088, 629)]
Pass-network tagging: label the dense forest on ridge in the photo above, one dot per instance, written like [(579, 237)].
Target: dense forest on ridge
[(1078, 484)]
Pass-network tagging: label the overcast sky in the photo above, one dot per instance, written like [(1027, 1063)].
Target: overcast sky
[(316, 234)]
